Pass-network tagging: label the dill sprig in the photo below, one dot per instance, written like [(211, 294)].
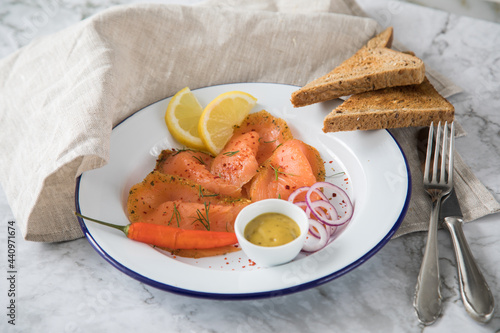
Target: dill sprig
[(276, 172), (199, 159), (336, 174), (277, 147), (177, 151), (203, 195), (203, 217), (231, 153), (175, 214)]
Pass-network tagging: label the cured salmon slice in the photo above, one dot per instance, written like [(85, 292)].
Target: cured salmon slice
[(294, 164), (197, 156), (237, 164), (195, 216), (157, 188), (195, 166), (314, 158), (272, 132)]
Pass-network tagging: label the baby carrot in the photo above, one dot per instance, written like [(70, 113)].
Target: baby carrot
[(171, 237)]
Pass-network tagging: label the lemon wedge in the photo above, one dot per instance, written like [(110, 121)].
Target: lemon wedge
[(182, 118), (221, 116)]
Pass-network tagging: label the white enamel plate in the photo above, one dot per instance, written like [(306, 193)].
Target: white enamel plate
[(369, 165)]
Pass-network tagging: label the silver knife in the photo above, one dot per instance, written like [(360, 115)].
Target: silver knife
[(476, 295)]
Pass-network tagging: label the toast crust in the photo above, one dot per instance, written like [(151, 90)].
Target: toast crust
[(406, 106)]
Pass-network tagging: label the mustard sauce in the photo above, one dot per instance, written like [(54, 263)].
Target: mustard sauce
[(271, 229)]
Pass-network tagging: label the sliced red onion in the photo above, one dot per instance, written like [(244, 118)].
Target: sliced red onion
[(324, 221), (316, 191), (329, 229), (314, 244), (329, 217), (294, 194), (332, 229), (314, 232), (336, 221), (314, 206), (324, 216), (303, 205)]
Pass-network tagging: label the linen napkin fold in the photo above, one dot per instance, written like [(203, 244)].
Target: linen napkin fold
[(62, 94)]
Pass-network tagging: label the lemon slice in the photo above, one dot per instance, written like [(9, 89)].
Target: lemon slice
[(182, 118), (220, 117)]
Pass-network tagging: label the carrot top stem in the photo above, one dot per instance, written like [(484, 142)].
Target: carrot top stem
[(123, 228)]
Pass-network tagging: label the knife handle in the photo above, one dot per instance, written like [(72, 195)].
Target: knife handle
[(427, 301), (476, 295)]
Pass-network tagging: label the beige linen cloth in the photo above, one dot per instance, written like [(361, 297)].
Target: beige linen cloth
[(62, 94)]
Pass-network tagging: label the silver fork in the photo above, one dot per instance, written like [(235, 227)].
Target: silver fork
[(427, 302)]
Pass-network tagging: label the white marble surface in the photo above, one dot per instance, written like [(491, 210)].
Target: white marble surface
[(482, 9), (68, 287)]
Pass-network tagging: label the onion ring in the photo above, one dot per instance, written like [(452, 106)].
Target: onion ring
[(324, 220), (294, 194), (337, 190), (329, 218), (303, 204), (310, 244)]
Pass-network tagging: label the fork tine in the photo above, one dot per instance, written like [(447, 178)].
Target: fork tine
[(451, 156), (436, 153), (444, 155), (429, 153)]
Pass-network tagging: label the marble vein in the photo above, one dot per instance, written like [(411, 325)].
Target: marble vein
[(68, 287)]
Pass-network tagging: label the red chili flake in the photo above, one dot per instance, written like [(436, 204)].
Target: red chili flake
[(243, 266), (346, 179), (251, 263), (330, 162)]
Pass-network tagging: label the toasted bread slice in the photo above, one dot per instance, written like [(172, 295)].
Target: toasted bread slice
[(406, 106), (371, 68), (383, 39)]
